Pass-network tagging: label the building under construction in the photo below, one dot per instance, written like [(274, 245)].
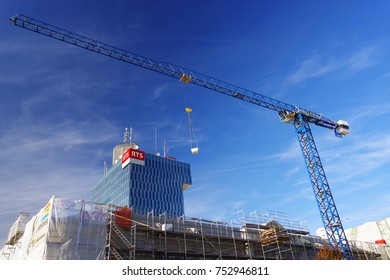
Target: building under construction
[(270, 236), (137, 213), (76, 229)]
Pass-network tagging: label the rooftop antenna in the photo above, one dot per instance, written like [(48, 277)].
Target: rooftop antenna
[(155, 142), (105, 168), (126, 135), (131, 135), (166, 149), (128, 138)]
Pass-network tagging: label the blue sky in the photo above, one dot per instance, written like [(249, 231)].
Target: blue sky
[(63, 109)]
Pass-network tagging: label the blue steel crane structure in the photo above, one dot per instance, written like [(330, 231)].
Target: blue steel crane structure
[(299, 117)]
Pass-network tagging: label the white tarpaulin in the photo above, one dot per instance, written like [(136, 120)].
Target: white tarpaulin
[(63, 230)]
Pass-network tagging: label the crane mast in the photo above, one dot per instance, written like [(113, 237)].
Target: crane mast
[(300, 118)]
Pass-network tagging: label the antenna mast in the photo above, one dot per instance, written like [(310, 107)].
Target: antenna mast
[(131, 135), (156, 152), (166, 149), (155, 141), (126, 135)]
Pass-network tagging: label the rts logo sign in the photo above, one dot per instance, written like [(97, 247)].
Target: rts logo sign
[(133, 156)]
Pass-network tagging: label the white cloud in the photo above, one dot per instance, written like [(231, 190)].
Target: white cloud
[(291, 153), (159, 90), (48, 149), (291, 173), (369, 111), (364, 58), (311, 67), (318, 65), (363, 157)]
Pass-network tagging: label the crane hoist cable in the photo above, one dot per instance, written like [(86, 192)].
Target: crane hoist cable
[(193, 142)]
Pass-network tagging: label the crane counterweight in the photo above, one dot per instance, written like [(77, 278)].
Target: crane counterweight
[(343, 127)]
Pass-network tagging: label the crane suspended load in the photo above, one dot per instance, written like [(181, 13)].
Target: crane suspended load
[(194, 148)]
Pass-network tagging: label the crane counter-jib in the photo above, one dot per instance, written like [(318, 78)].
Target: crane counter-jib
[(300, 118)]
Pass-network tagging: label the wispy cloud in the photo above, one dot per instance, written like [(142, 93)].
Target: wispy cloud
[(319, 64), (39, 160), (369, 111), (158, 91), (374, 210), (291, 152), (362, 157), (54, 142), (363, 58), (348, 162), (289, 173), (210, 206), (311, 67)]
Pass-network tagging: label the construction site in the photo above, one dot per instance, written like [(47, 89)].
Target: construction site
[(79, 230), (137, 206)]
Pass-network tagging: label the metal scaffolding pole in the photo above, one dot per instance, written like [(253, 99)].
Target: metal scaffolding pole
[(246, 233), (164, 217), (150, 223)]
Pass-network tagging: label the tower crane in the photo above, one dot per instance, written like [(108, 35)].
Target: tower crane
[(299, 117)]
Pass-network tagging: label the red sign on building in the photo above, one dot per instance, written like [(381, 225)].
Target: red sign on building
[(133, 156)]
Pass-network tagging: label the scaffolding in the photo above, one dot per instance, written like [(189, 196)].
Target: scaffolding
[(13, 243), (157, 237), (384, 229), (274, 233), (363, 250), (121, 234), (163, 237), (10, 251), (75, 229)]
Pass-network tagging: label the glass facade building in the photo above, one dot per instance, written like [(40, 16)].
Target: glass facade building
[(157, 186)]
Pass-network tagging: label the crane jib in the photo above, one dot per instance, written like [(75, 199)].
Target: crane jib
[(168, 69)]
